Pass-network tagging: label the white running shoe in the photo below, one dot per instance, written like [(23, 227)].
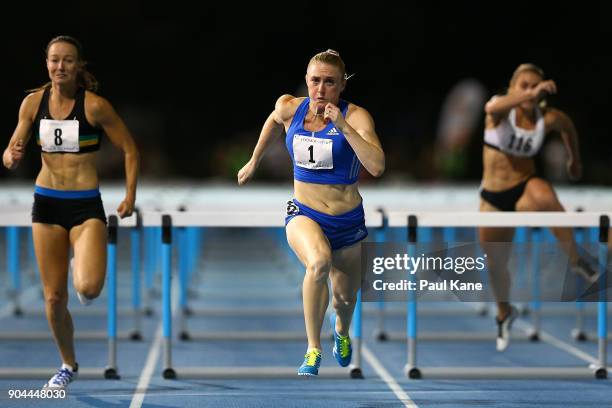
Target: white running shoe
[(64, 376), (503, 329)]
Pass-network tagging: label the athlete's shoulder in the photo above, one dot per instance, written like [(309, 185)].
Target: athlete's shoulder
[(354, 107), (96, 104), (556, 118), (356, 112), (30, 104), (554, 113), (33, 98), (287, 105)]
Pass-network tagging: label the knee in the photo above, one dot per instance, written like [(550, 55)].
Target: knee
[(56, 300), (319, 268), (344, 300), (90, 290)]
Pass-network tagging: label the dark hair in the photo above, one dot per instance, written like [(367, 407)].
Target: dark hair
[(85, 79)]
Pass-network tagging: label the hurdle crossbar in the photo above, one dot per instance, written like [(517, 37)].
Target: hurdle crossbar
[(413, 220), (111, 370), (231, 219)]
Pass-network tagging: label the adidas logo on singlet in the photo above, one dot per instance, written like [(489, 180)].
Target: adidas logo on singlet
[(333, 132)]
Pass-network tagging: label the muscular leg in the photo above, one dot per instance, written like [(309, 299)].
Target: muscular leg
[(346, 279), (89, 243), (497, 261), (51, 245), (540, 196), (312, 248)]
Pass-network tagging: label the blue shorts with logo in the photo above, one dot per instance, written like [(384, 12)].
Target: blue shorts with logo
[(341, 230)]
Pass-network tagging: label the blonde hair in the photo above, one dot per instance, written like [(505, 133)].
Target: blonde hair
[(330, 57), (529, 67)]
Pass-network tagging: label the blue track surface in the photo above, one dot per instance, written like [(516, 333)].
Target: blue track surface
[(235, 264)]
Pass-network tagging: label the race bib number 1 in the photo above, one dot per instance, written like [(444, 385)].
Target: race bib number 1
[(59, 135), (313, 153)]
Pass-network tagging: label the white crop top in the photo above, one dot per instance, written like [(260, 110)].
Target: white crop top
[(516, 141)]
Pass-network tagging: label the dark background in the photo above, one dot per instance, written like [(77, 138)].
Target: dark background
[(195, 87)]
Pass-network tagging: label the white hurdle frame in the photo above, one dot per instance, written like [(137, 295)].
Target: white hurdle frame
[(236, 219), (412, 220)]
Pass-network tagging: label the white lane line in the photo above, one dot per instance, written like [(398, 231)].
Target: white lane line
[(147, 372), (568, 348), (387, 378), (153, 357), (560, 344)]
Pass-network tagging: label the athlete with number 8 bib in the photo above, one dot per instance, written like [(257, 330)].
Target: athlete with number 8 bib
[(328, 139), (69, 120), (515, 126)]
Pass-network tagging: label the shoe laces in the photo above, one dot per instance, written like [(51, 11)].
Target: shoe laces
[(62, 377), (344, 343), (312, 358)]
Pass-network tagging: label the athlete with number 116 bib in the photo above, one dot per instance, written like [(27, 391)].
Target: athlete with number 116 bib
[(328, 140), (515, 126)]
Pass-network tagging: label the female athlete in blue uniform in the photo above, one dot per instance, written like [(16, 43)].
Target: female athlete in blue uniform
[(68, 120), (515, 128), (328, 140)]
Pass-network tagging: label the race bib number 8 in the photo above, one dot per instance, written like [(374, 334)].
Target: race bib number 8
[(313, 153), (59, 135)]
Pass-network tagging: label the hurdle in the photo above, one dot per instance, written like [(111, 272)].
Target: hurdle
[(190, 238), (236, 219), (535, 310), (184, 253), (23, 220), (578, 333), (13, 260), (529, 219), (189, 244), (110, 371), (381, 333), (13, 252)]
